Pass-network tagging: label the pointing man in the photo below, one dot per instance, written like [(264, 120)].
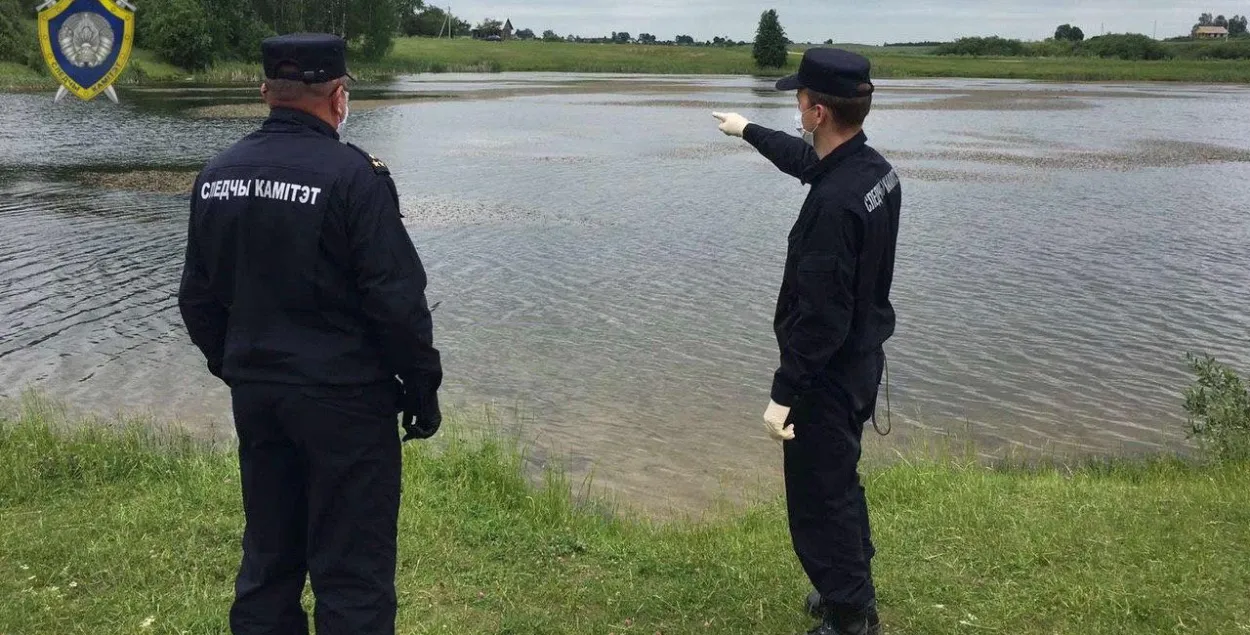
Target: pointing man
[(306, 296), (833, 316)]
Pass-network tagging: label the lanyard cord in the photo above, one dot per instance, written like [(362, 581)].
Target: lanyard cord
[(889, 417)]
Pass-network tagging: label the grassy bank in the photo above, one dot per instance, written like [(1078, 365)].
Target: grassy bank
[(118, 532), (1068, 69), (423, 55)]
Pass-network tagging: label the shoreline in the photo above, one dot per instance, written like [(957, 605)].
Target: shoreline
[(412, 56), (46, 84)]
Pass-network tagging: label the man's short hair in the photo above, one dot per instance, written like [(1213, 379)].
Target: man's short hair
[(290, 90), (848, 112)]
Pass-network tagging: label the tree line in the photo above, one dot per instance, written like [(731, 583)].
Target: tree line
[(1236, 25), (493, 27), (1126, 46), (1069, 41), (195, 34)]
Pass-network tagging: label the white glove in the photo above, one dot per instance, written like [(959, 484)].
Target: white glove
[(775, 420), (731, 123)]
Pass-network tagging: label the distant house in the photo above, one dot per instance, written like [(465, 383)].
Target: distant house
[(507, 30), (1211, 33)]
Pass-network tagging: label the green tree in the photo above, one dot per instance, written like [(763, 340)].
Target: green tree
[(488, 27), (369, 25), (525, 34), (621, 38), (1221, 21), (179, 31), (372, 24), (18, 42), (770, 42), (1206, 19), (685, 39), (647, 38), (234, 27), (1069, 33), (427, 22), (1237, 26), (550, 36)]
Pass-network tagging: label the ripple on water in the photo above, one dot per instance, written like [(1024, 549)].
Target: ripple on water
[(616, 284)]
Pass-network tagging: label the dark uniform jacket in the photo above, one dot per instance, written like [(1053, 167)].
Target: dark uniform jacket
[(834, 311), (298, 267)]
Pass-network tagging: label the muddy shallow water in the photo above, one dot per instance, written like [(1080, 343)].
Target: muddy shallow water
[(607, 261)]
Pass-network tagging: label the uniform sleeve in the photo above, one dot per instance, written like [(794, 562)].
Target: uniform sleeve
[(392, 282), (789, 153), (203, 314), (826, 300)]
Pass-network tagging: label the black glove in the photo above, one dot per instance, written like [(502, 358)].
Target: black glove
[(422, 418)]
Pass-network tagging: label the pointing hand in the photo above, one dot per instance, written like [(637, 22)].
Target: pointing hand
[(732, 123)]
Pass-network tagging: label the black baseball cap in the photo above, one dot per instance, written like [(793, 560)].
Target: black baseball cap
[(834, 72), (312, 58)]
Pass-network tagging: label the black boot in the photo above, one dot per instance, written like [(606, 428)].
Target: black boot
[(863, 623)]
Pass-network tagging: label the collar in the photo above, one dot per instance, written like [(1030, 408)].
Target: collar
[(281, 115), (818, 171)]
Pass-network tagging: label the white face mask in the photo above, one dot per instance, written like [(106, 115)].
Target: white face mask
[(347, 110), (809, 136)]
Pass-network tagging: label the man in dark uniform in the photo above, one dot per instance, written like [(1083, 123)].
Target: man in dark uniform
[(833, 316), (306, 296)]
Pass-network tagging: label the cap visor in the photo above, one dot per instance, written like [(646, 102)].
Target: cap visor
[(789, 83), (349, 76)]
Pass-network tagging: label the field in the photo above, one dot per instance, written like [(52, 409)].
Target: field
[(423, 55), (114, 529)]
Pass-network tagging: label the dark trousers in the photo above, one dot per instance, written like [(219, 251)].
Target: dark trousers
[(320, 470), (827, 508)]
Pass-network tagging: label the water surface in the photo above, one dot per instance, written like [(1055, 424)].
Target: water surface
[(607, 261)]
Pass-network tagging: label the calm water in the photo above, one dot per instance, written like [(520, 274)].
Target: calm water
[(608, 261)]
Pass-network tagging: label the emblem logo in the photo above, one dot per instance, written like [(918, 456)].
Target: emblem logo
[(86, 44)]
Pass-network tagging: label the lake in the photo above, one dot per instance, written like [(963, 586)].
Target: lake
[(608, 262)]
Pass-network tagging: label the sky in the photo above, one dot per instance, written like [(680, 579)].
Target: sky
[(857, 21)]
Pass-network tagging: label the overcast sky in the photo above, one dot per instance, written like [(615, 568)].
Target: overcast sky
[(860, 21)]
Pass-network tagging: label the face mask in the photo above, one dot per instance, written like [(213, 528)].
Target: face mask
[(809, 136), (347, 110)]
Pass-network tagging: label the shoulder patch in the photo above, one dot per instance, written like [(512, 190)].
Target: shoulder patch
[(378, 166)]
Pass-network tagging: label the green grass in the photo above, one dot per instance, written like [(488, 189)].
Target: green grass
[(418, 54), (147, 66), (17, 76), (105, 530), (1076, 69)]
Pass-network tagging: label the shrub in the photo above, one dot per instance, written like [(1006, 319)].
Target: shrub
[(983, 46), (1219, 410), (179, 32), (1053, 48), (1228, 50), (1129, 46)]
